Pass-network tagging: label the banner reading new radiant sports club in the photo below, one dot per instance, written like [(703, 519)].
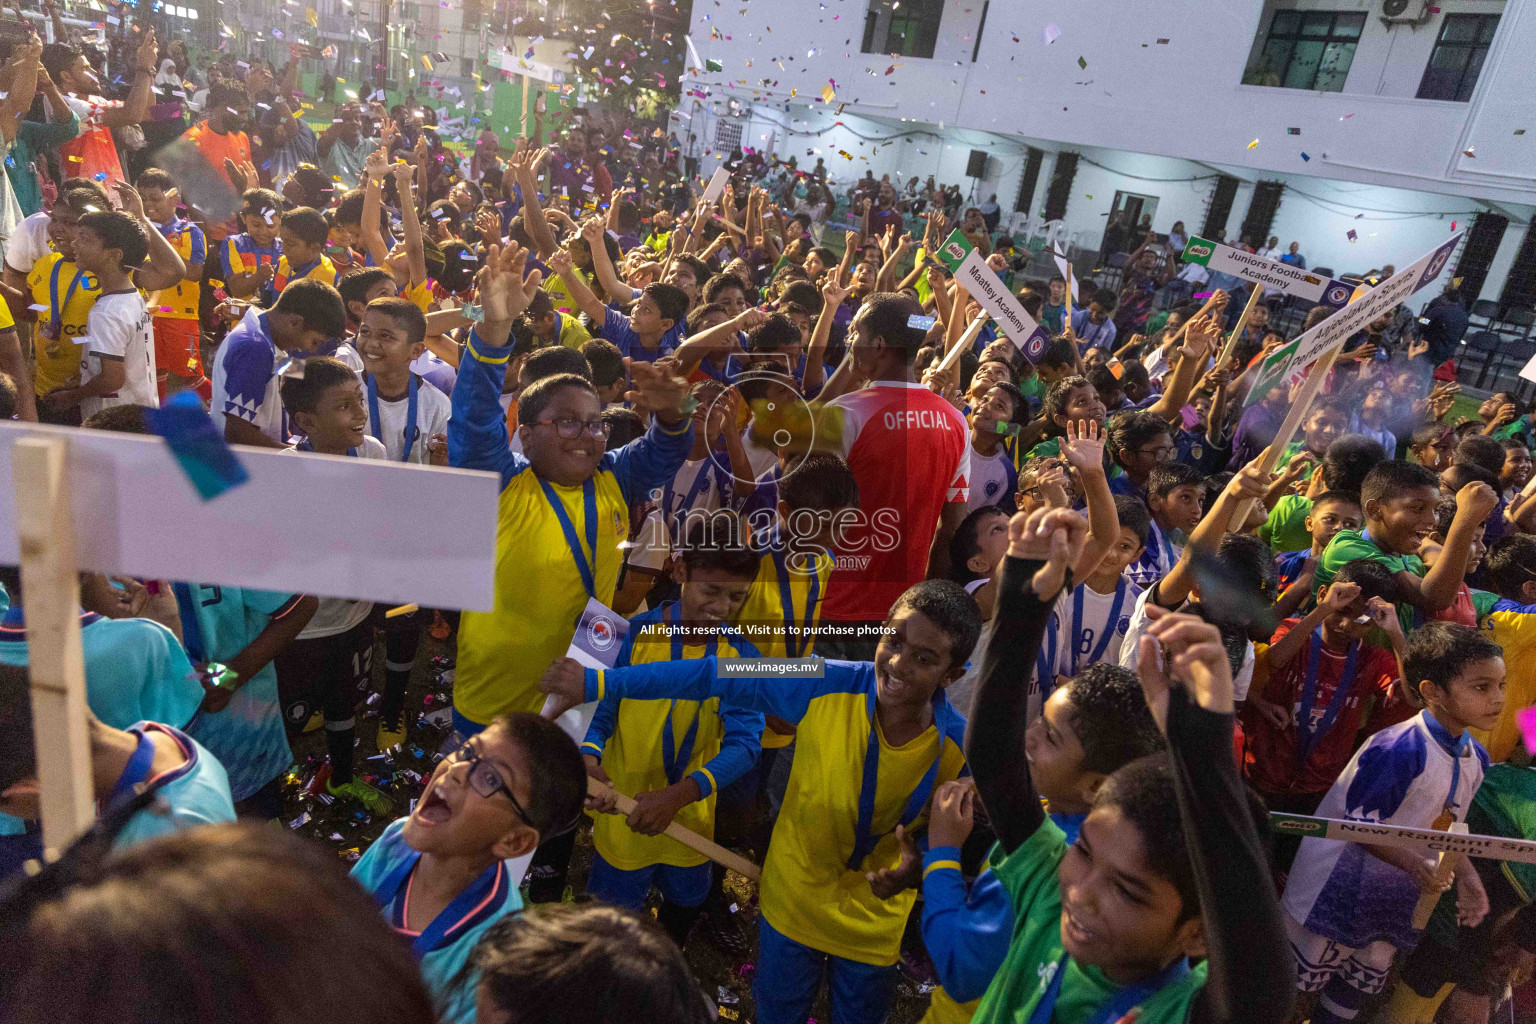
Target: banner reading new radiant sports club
[(1354, 317), (960, 258), (1252, 267)]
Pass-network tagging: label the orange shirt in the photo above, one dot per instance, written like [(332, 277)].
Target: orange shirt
[(217, 148)]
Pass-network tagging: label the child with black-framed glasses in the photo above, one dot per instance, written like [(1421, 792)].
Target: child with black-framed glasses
[(440, 873)]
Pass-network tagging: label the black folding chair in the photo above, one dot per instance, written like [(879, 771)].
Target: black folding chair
[(1487, 344)]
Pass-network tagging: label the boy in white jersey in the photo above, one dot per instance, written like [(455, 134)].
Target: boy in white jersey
[(995, 418), (1092, 619), (1175, 499), (405, 412), (327, 668), (117, 357)]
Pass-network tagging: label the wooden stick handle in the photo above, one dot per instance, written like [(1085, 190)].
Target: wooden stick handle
[(1443, 871), (963, 343), (1237, 332), (714, 851)]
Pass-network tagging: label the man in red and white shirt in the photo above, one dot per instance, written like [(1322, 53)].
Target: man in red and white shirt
[(909, 450), (93, 153)]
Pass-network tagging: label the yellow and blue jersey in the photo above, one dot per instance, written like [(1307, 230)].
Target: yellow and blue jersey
[(318, 269), (834, 827), (646, 745), (242, 255), (966, 932), (179, 302), (565, 538), (135, 670), (192, 794), (1513, 627), (444, 947), (783, 608)]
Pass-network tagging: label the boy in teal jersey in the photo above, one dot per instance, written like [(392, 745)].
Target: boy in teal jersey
[(440, 875), (135, 670), (1399, 499), (873, 740), (189, 784), (242, 721), (1168, 864), (564, 507), (674, 756)]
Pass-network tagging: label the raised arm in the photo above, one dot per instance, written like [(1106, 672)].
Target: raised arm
[(1252, 973), (373, 201), (415, 251), (1173, 588), (1041, 549), (614, 286), (1198, 342), (165, 268), (1439, 586), (141, 94), (560, 262), (832, 297), (525, 164), (22, 85), (1084, 451)]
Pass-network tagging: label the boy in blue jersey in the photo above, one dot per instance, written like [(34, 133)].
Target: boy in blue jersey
[(440, 875), (564, 507), (653, 330), (190, 786), (135, 669), (242, 721), (873, 740), (1089, 728), (1331, 512), (250, 258), (674, 756)]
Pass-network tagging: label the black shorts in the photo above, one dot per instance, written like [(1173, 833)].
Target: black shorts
[(332, 674)]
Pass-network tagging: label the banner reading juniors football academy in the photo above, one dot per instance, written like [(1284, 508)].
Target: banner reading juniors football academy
[(1252, 267), (1354, 317), (960, 258)]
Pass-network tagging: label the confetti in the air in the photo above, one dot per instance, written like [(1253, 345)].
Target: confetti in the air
[(1050, 34)]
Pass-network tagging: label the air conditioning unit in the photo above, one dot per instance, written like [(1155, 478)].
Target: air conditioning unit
[(1413, 11)]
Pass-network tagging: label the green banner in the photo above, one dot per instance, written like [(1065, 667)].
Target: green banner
[(1297, 825), (1200, 250), (954, 251), (1272, 372)]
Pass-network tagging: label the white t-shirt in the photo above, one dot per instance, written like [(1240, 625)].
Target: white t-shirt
[(432, 410), (1138, 626), (1097, 633), (338, 614), (993, 479), (696, 485), (119, 327), (27, 244)]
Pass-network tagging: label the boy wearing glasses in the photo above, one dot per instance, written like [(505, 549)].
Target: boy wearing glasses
[(564, 503), (440, 875)]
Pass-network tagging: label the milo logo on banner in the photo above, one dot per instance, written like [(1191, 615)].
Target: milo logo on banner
[(954, 251), (1199, 250)]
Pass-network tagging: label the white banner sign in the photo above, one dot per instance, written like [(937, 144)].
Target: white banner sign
[(1252, 267), (981, 281), (1422, 839), (333, 527)]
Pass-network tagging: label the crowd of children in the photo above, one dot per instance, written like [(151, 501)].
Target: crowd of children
[(1007, 660)]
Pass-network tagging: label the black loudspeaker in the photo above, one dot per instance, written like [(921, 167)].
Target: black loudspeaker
[(976, 166)]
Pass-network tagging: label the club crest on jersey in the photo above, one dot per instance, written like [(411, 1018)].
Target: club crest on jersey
[(1124, 625), (601, 634)]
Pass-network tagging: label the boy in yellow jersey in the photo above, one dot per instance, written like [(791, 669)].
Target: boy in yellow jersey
[(674, 756), (178, 354), (564, 502), (1512, 624), (62, 296), (783, 610), (304, 233), (874, 739)]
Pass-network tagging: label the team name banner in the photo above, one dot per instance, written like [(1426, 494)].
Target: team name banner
[(960, 258), (1487, 847), (1334, 331), (1252, 267)]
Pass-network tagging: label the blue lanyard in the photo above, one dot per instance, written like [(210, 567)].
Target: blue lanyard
[(449, 916), (53, 291), (864, 839), (675, 758), (1463, 743), (1045, 661), (304, 445), (411, 429), (589, 509), (1164, 547), (1126, 1000), (1306, 737), (136, 771), (1121, 586), (794, 645)]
